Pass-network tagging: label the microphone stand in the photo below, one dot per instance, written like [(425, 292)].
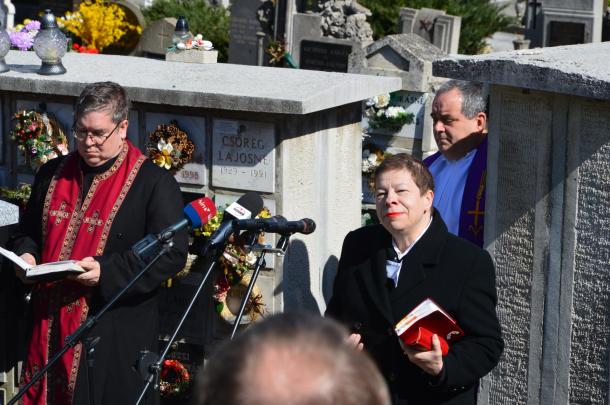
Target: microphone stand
[(151, 363), (279, 249), (71, 340)]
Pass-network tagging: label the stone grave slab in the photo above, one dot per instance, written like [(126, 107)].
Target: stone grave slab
[(243, 155)]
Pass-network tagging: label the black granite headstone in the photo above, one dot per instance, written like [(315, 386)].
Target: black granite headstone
[(325, 56), (566, 33)]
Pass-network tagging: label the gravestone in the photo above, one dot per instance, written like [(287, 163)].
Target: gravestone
[(409, 57), (157, 37), (7, 14), (313, 51), (564, 22), (547, 224), (435, 26), (243, 42)]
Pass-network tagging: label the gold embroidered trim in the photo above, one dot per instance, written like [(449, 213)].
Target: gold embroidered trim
[(106, 231), (77, 353), (47, 199)]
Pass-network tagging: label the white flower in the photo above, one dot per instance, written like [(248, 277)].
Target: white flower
[(394, 112), (207, 45), (165, 148), (382, 101), (380, 113), (370, 102), (198, 37), (372, 158), (180, 45)]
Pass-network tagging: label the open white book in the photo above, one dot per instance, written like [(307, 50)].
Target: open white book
[(46, 271)]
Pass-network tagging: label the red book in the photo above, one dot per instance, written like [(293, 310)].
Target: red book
[(418, 326)]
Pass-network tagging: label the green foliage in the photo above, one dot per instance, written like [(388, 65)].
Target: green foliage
[(212, 22), (480, 18)]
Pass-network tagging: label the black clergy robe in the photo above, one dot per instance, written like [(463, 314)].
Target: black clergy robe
[(153, 203)]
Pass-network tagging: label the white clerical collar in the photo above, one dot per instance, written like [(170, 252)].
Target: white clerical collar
[(400, 254)]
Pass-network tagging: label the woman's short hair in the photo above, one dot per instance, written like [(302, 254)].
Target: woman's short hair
[(403, 161), (103, 96)]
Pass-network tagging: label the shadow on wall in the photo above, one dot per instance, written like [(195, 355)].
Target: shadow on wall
[(296, 284), (328, 277)]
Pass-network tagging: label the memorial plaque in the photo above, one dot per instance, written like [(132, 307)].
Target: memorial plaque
[(566, 33), (194, 172), (325, 56), (243, 155)]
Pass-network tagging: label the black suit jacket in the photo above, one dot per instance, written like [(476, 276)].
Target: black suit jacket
[(456, 274)]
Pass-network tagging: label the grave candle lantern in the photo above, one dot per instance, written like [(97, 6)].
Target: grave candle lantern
[(181, 33), (50, 45)]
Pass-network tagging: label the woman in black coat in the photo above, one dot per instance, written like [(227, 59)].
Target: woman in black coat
[(386, 270)]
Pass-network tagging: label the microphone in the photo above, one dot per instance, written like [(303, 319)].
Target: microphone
[(276, 224), (245, 207), (196, 214)]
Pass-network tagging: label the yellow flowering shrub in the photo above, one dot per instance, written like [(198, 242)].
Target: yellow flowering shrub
[(98, 24)]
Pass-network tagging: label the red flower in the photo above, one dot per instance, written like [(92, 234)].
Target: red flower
[(75, 46)]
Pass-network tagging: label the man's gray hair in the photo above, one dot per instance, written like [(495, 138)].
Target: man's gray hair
[(474, 97), (297, 359), (103, 96)]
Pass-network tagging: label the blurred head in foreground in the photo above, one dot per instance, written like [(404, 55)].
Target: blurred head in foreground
[(297, 359)]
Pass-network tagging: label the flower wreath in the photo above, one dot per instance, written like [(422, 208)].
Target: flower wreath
[(372, 156), (169, 147), (174, 379), (39, 137), (232, 283), (381, 114)]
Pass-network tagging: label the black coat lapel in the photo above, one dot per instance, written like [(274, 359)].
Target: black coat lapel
[(374, 279), (418, 263)]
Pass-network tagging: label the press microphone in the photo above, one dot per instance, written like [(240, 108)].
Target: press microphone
[(196, 214), (276, 224), (248, 205)]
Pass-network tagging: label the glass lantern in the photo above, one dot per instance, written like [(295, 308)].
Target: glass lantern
[(5, 45), (181, 32), (50, 45)]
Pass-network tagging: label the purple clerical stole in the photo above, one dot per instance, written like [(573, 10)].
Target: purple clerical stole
[(472, 212)]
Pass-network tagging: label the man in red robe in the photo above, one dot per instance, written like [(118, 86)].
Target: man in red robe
[(92, 206)]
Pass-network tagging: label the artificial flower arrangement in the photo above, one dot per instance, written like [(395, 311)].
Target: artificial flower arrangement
[(22, 35), (39, 137), (235, 264), (84, 49), (197, 43), (174, 379), (169, 147), (19, 195), (372, 156), (97, 24), (381, 114)]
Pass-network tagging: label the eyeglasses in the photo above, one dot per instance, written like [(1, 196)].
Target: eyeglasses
[(98, 138)]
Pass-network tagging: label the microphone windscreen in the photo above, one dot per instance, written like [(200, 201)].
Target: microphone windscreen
[(250, 201), (310, 226), (199, 212)]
